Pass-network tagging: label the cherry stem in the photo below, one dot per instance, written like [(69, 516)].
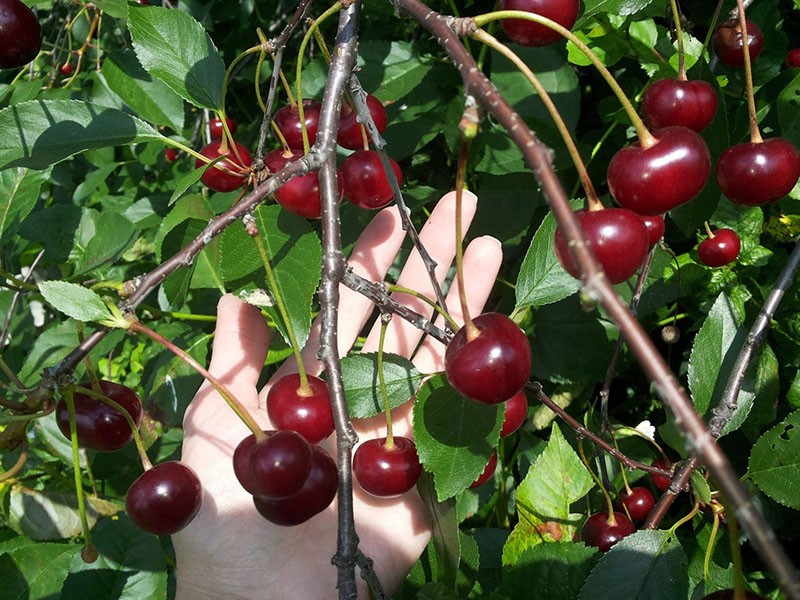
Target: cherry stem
[(87, 361), (17, 466), (221, 388), (612, 520), (9, 372), (646, 139), (712, 26), (736, 551), (420, 296), (676, 16), (708, 229), (712, 538), (491, 41), (472, 331), (226, 79), (755, 133), (386, 318), (259, 66), (685, 519)]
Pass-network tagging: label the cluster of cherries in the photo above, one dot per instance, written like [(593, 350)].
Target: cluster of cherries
[(361, 176), (167, 496)]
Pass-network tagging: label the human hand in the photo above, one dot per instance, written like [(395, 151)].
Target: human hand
[(229, 551)]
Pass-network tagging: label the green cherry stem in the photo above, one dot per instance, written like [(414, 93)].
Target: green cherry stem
[(676, 16), (472, 331), (386, 318), (404, 290), (609, 505), (733, 534), (755, 133), (646, 139), (712, 539)]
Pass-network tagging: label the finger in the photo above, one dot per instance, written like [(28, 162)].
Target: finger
[(241, 341), (438, 237), (482, 260)]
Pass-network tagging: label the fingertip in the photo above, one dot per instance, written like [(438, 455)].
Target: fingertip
[(241, 337)]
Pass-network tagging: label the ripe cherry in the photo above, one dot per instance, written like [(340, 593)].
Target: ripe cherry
[(661, 482), (720, 249), (66, 69), (639, 503), (494, 365), (364, 180), (514, 412), (287, 119), (20, 34), (99, 426), (757, 173), (170, 154), (387, 472), (793, 58), (164, 499), (528, 33), (602, 533), (349, 134), (654, 180), (301, 194), (277, 467), (669, 102), (487, 472), (316, 495), (235, 168), (729, 44), (308, 414), (618, 238), (655, 226), (215, 129)]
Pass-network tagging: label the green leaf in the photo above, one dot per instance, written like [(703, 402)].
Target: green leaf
[(184, 183), (175, 48), (455, 437), (35, 570), (789, 109), (362, 387), (701, 487), (43, 132), (615, 7), (19, 191), (74, 300), (542, 280), (101, 238), (775, 462), (558, 571), (115, 8), (647, 564), (445, 534)]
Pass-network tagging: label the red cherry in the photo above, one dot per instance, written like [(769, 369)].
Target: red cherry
[(528, 33), (655, 226), (164, 499), (235, 168), (602, 533), (66, 68), (309, 415), (99, 426), (661, 482), (618, 237), (654, 180), (20, 34), (287, 119), (316, 495), (215, 129), (493, 366), (275, 468), (487, 472), (639, 503), (793, 58), (349, 135), (364, 181), (170, 154), (669, 102), (301, 194), (514, 413), (721, 249), (387, 472), (757, 173), (729, 44)]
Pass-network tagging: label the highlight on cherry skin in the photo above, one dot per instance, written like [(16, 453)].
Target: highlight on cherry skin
[(602, 531), (528, 33), (165, 498), (277, 467), (309, 413), (720, 248), (387, 470)]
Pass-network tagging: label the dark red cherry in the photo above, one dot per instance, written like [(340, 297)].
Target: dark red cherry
[(661, 482), (215, 129), (729, 595), (20, 34), (756, 173), (514, 412), (316, 495), (164, 499), (308, 413), (99, 426), (729, 44), (654, 180), (228, 174), (487, 472), (720, 249), (793, 58), (638, 503), (528, 33), (66, 68), (669, 102), (602, 533), (299, 195), (387, 472), (277, 467), (364, 180), (494, 365), (655, 226), (287, 119), (617, 236), (349, 135), (170, 154)]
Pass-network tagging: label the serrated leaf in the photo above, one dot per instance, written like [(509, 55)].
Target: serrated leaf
[(647, 564), (775, 462), (40, 133), (701, 487), (35, 570), (558, 570), (362, 386), (175, 48), (74, 300), (455, 437), (19, 191), (445, 534), (101, 239)]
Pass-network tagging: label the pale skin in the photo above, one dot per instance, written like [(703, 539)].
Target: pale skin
[(229, 551)]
